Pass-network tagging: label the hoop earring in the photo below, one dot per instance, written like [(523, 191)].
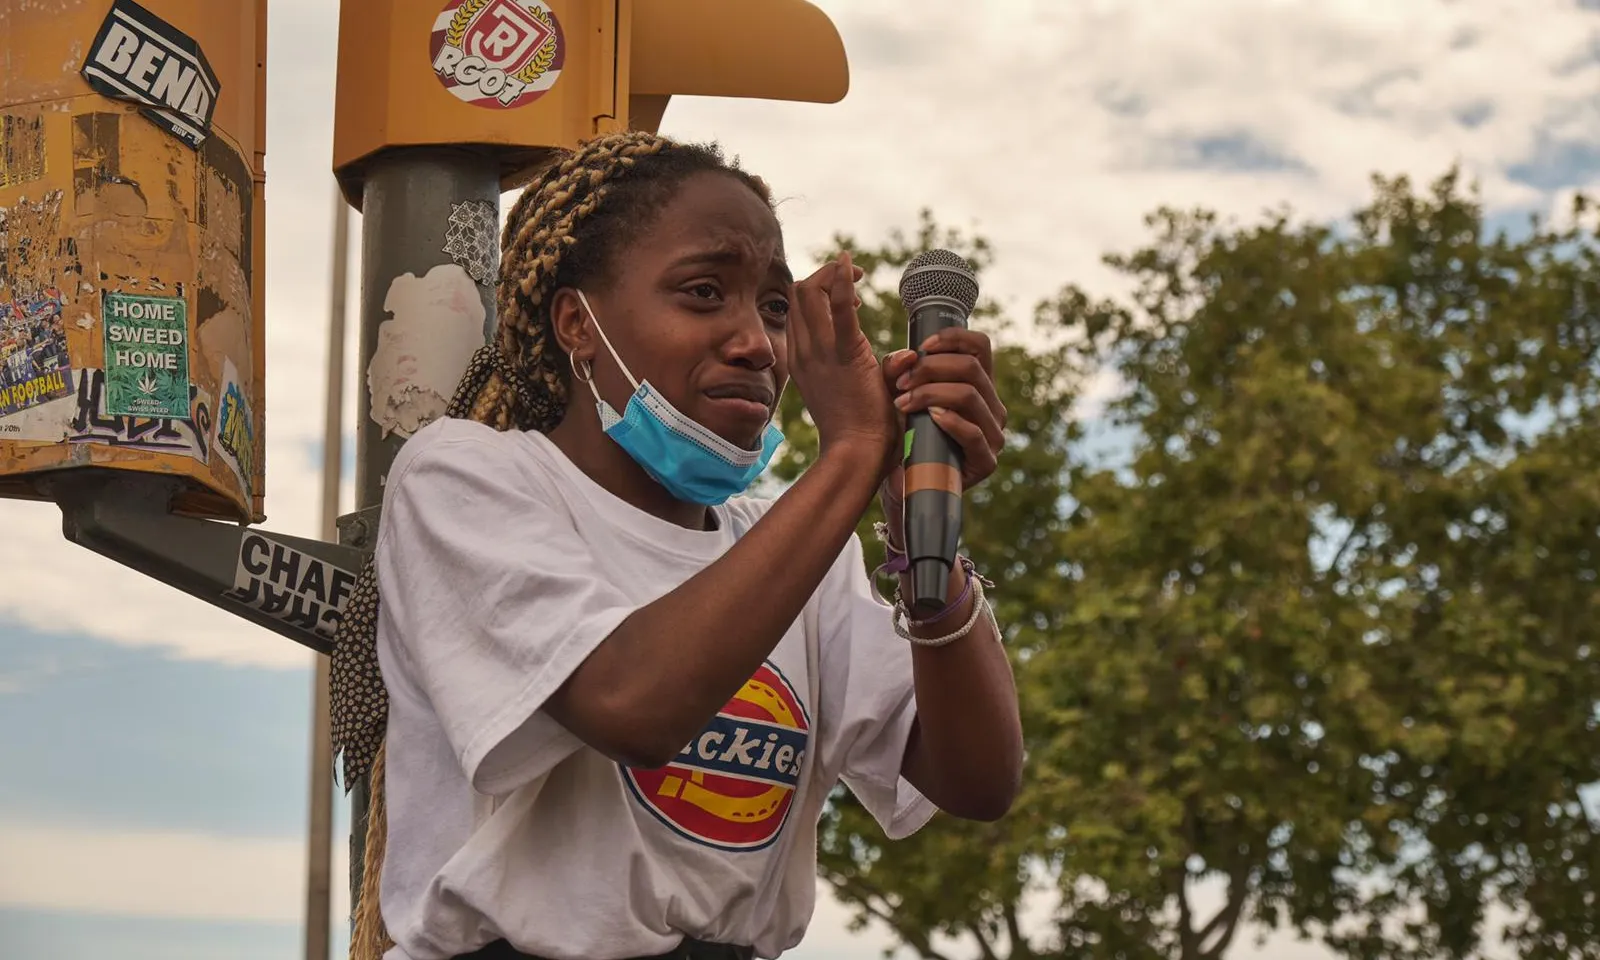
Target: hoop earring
[(584, 373)]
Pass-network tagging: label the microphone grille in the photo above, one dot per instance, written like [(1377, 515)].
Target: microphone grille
[(942, 274)]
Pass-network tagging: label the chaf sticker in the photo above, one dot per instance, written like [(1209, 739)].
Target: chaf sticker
[(147, 356), (297, 588), (497, 53), (140, 58)]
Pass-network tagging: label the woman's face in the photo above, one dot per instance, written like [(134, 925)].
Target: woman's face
[(697, 306)]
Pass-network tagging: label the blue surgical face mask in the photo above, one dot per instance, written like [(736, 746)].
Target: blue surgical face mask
[(692, 462)]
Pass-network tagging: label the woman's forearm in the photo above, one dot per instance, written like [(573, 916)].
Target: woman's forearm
[(666, 670)]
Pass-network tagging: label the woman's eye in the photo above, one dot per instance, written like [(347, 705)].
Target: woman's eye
[(707, 290), (778, 309)]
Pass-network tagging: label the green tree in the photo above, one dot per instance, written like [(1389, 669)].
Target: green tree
[(961, 876), (1324, 644)]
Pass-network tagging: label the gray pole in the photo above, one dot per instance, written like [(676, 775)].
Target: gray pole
[(319, 832), (409, 195)]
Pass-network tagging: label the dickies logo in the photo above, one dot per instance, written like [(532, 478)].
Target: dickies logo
[(732, 787)]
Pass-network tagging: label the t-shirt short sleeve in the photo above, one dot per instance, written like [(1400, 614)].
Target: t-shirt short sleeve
[(490, 600), (868, 701)]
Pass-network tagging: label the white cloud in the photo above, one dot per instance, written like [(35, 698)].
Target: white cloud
[(169, 875), (1046, 122), (1051, 127), (191, 876), (52, 585)]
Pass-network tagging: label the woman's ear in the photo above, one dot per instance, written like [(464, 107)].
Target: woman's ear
[(571, 325)]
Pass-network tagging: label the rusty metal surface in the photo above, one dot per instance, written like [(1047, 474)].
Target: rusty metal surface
[(96, 199)]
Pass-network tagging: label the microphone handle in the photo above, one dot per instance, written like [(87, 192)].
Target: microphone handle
[(933, 485)]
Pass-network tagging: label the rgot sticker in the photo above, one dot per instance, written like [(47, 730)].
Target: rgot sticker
[(497, 53)]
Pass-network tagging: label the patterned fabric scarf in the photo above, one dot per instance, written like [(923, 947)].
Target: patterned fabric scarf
[(360, 703)]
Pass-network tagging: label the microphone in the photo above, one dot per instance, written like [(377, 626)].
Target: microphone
[(939, 290)]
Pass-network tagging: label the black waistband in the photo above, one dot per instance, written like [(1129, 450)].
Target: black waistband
[(689, 949)]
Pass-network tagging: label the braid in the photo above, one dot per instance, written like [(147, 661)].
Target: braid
[(520, 384), (565, 230)]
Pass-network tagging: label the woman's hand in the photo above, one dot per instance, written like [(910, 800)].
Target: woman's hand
[(953, 380), (834, 368)]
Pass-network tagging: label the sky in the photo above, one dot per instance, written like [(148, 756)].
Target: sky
[(153, 750)]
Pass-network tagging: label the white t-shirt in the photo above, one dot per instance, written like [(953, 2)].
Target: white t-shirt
[(501, 567)]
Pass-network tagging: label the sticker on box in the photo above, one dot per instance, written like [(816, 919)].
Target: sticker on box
[(140, 58), (34, 364), (236, 432), (499, 54), (147, 355)]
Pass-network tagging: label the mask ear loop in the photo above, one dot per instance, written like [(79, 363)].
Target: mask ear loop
[(606, 340)]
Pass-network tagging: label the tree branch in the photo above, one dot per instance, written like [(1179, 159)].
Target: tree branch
[(1356, 528), (1021, 949), (1227, 919), (983, 941), (1188, 943), (863, 897), (1178, 879)]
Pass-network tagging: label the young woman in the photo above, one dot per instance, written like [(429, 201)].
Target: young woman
[(615, 693)]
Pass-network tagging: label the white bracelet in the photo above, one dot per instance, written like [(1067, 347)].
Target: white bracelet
[(980, 604)]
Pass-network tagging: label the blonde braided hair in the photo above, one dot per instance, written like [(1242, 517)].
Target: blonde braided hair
[(565, 230)]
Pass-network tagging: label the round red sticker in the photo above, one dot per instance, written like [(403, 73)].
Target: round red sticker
[(500, 54)]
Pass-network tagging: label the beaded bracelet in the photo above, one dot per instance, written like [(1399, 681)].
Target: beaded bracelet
[(898, 563), (980, 606)]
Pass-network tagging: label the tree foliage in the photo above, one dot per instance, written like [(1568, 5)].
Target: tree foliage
[(1319, 653)]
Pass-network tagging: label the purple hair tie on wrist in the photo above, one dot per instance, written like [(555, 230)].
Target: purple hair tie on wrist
[(896, 564), (966, 591)]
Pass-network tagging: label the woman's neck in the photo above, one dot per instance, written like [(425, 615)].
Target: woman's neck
[(608, 465)]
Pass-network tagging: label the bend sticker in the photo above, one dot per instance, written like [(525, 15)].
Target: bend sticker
[(733, 785), (141, 58), (500, 54), (147, 355)]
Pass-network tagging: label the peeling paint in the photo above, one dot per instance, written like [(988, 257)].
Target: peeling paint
[(222, 210), (96, 152), (224, 335), (46, 423), (436, 325), (22, 156), (33, 257)]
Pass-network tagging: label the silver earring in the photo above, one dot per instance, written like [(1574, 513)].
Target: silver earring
[(584, 373)]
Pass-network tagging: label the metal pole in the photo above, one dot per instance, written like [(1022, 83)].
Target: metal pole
[(408, 197), (319, 838)]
